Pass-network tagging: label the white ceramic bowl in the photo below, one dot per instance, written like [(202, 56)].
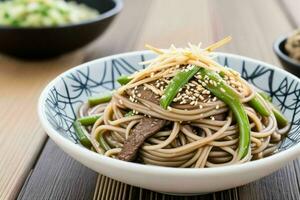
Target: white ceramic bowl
[(59, 101)]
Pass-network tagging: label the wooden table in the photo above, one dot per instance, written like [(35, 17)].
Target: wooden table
[(33, 167)]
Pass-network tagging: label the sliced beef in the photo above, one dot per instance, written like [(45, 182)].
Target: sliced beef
[(146, 94), (143, 130), (220, 117)]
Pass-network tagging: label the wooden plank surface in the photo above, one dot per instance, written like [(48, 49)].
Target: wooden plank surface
[(292, 11), (56, 175), (253, 24), (21, 135)]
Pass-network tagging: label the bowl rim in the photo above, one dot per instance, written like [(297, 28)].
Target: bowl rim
[(110, 13), (282, 55), (286, 155)]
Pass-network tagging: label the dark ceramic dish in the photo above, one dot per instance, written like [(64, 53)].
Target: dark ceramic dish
[(288, 63), (52, 41)]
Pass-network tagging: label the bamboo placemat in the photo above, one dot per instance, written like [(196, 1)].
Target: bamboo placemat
[(109, 189)]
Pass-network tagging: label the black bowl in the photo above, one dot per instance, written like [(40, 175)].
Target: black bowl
[(44, 42), (288, 63)]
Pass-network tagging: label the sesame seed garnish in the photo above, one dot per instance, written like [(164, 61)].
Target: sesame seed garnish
[(131, 99)]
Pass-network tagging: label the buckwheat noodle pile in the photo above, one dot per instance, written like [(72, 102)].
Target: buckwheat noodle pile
[(197, 129)]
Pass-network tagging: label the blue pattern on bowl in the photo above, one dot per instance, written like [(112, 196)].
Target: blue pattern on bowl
[(94, 78)]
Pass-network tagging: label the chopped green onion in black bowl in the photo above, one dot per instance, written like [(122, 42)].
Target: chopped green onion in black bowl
[(54, 27)]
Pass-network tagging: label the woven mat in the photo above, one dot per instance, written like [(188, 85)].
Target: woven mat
[(109, 189)]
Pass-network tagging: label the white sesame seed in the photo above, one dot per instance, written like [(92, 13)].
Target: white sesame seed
[(194, 82), (199, 88)]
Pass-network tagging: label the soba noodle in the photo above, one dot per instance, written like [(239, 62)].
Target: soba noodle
[(197, 134)]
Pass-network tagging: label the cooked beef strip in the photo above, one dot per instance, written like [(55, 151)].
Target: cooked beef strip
[(143, 130), (152, 97), (220, 117), (145, 94)]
